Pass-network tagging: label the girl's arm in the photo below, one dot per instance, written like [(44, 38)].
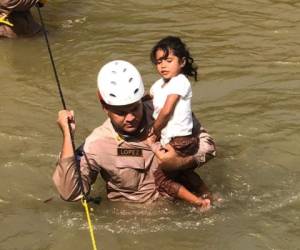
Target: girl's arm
[(186, 195), (165, 113)]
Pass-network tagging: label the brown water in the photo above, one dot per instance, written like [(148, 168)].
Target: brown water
[(248, 98)]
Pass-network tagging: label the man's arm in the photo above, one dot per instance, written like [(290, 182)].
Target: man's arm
[(64, 118), (169, 160), (66, 176)]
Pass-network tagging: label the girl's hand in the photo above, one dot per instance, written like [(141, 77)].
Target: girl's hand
[(65, 117)]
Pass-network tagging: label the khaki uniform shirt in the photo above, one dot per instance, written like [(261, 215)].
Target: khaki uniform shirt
[(127, 167), (19, 15)]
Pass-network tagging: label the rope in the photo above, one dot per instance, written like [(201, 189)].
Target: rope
[(85, 196), (51, 59), (91, 228), (4, 20)]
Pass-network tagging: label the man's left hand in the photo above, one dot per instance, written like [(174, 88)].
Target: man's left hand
[(169, 160), (166, 154)]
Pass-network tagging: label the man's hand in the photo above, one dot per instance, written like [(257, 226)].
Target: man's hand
[(65, 117), (170, 160), (166, 154)]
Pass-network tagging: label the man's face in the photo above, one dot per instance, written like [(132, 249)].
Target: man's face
[(126, 118)]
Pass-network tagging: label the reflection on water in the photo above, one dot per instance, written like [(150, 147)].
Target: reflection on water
[(247, 97)]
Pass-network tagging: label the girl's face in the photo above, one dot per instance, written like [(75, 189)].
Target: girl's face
[(170, 66)]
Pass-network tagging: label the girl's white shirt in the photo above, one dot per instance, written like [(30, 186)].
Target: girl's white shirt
[(181, 122)]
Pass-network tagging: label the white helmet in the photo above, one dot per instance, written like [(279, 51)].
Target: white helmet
[(120, 83)]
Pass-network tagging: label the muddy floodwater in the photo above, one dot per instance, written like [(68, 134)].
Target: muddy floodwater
[(248, 97)]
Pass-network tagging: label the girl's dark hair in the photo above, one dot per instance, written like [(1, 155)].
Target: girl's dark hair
[(179, 49)]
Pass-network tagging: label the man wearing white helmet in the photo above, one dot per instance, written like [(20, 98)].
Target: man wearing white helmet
[(118, 149)]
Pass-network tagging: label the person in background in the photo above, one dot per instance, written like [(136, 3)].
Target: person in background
[(118, 149), (173, 125), (16, 19)]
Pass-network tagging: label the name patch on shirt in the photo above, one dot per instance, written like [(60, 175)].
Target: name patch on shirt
[(136, 152)]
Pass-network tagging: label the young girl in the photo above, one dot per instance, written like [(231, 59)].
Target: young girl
[(173, 115)]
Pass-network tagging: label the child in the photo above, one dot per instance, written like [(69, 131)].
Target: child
[(173, 116)]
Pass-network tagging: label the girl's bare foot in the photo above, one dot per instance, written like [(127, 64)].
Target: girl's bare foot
[(204, 204)]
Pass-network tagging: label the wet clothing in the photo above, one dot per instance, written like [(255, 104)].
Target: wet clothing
[(127, 166), (178, 133), (168, 183), (199, 144), (19, 15), (185, 145), (181, 122)]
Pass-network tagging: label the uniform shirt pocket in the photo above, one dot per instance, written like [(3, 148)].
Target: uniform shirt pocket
[(128, 173)]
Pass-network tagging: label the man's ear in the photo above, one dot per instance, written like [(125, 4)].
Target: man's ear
[(105, 110), (99, 96)]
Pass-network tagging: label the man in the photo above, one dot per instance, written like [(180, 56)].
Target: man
[(16, 19), (118, 149)]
